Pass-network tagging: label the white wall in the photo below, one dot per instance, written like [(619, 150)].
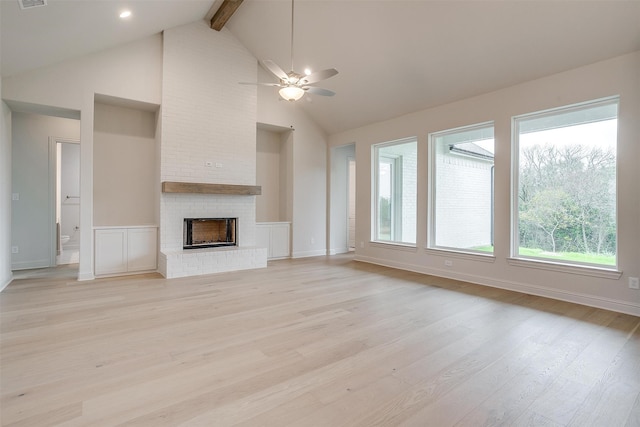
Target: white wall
[(125, 182), (308, 175), (206, 114), (132, 71), (618, 76), (32, 216)]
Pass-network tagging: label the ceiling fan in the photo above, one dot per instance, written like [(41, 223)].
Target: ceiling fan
[(294, 85)]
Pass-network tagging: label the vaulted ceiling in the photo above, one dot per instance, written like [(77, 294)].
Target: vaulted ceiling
[(394, 57)]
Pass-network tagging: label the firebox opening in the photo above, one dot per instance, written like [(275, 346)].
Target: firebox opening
[(209, 232)]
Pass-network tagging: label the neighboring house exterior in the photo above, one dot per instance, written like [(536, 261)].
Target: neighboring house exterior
[(464, 171)]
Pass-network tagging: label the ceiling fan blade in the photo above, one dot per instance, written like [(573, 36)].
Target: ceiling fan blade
[(260, 84), (319, 75), (319, 91), (275, 69)]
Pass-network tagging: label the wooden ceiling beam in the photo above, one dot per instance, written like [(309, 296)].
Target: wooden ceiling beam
[(224, 12)]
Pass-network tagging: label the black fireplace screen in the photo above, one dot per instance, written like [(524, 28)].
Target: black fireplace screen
[(209, 232)]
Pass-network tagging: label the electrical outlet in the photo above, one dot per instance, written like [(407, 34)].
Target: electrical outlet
[(448, 263), (15, 196), (15, 249), (634, 283), (313, 240)]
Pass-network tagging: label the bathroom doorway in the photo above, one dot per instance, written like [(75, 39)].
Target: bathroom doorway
[(351, 214), (65, 162)]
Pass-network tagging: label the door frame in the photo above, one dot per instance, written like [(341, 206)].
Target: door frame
[(351, 159), (53, 177)]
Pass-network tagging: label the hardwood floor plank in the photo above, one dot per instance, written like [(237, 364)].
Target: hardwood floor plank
[(463, 399), (53, 417), (634, 415), (320, 341)]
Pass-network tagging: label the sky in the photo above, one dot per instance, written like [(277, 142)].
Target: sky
[(598, 134)]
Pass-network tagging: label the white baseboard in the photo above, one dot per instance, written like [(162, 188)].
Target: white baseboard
[(28, 265), (542, 291), (308, 254), (6, 282), (86, 275), (337, 251)]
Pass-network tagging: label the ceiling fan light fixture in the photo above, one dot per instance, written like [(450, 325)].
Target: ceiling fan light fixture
[(291, 93), (293, 85)]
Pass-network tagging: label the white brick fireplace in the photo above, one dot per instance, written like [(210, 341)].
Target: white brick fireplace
[(208, 136), (176, 262)]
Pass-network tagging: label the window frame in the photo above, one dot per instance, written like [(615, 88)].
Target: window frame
[(576, 267), (432, 194), (396, 198)]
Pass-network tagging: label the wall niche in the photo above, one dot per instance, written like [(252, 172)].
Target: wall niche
[(125, 163), (273, 173)]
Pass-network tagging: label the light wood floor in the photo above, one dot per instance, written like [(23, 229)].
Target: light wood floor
[(311, 342)]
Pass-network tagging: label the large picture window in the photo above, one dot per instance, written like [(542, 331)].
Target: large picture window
[(461, 188), (565, 184), (394, 191)]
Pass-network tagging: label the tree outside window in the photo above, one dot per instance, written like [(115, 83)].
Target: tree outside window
[(566, 184)]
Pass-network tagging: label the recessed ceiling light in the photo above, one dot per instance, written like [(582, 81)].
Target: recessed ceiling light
[(125, 14)]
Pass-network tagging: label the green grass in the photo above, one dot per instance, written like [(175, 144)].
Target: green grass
[(560, 256)]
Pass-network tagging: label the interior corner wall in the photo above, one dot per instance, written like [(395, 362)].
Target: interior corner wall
[(5, 194), (268, 172), (308, 172), (617, 76), (5, 190)]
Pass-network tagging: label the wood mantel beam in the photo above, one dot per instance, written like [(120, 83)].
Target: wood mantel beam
[(224, 12), (202, 188)]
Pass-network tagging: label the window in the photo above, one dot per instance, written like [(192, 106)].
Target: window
[(565, 184), (394, 188), (462, 189)]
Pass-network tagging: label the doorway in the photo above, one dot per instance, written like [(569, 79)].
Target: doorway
[(351, 203), (65, 180), (342, 199)]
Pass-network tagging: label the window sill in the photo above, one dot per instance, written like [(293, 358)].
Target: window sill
[(394, 245), (584, 270), (474, 256)]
